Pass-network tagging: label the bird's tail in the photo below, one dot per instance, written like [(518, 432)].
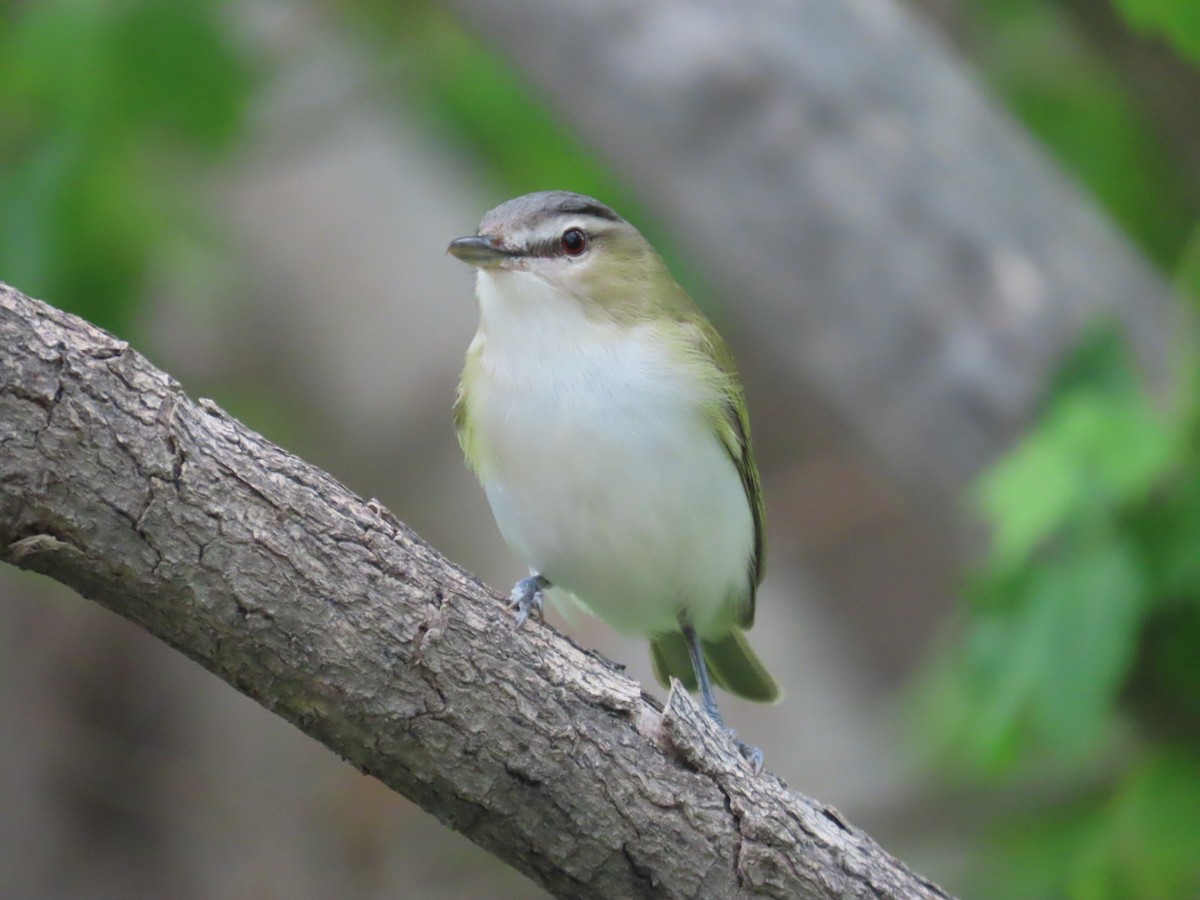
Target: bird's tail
[(732, 665)]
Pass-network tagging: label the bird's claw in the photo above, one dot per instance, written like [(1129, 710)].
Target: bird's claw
[(750, 753), (527, 598)]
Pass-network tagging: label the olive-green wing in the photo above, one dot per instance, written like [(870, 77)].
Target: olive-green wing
[(735, 433)]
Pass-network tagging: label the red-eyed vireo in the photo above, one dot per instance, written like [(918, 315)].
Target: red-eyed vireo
[(607, 423)]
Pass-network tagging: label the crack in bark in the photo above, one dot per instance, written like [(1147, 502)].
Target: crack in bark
[(736, 860), (643, 874)]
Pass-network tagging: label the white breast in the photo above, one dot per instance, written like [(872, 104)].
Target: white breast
[(603, 473)]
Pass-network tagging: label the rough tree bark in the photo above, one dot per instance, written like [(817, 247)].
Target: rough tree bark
[(334, 615)]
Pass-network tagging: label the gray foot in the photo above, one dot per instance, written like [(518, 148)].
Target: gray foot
[(752, 755), (527, 598)]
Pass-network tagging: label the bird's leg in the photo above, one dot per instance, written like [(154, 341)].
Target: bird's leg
[(700, 667), (527, 597), (752, 755)]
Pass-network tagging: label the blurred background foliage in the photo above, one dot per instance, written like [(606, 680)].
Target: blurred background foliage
[(1079, 658), (104, 107)]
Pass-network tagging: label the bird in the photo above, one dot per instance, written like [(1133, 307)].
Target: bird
[(607, 423)]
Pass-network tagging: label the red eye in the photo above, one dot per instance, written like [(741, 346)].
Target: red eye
[(574, 241)]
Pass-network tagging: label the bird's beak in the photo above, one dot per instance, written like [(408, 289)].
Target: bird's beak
[(478, 250)]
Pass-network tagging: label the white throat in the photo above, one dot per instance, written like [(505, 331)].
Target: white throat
[(524, 318)]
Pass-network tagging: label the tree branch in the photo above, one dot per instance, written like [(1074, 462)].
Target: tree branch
[(334, 615)]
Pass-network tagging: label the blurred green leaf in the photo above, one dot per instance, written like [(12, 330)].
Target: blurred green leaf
[(179, 72), (1029, 494), (1167, 530), (1187, 276), (1086, 517), (1120, 442), (1049, 667), (106, 107), (1094, 451), (1033, 856), (1154, 838), (1136, 840), (1178, 20), (1092, 606), (1084, 110)]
